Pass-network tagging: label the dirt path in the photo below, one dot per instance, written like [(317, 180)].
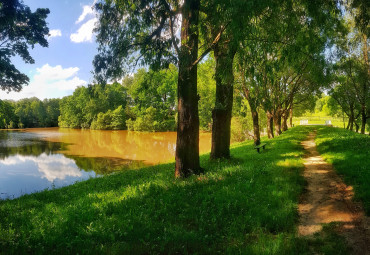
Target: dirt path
[(328, 199)]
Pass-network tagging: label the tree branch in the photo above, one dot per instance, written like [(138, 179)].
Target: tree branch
[(215, 41)]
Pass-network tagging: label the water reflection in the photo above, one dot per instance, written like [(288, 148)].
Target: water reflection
[(37, 159), (25, 174), (151, 148)]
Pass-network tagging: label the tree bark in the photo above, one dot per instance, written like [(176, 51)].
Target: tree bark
[(270, 125), (351, 120), (365, 85), (222, 113), (291, 116), (363, 119), (256, 125), (187, 144), (277, 122), (285, 120)]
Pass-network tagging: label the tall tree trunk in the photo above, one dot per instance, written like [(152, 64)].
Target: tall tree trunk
[(365, 85), (256, 128), (256, 125), (351, 119), (270, 125), (222, 113), (187, 144), (285, 119), (349, 122), (363, 119), (291, 116), (277, 122)]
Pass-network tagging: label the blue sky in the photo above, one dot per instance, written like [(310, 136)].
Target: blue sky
[(67, 62)]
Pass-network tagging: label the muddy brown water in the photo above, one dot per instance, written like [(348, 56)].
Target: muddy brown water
[(328, 199), (36, 159)]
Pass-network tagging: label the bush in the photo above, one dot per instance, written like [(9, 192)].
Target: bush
[(151, 120), (111, 120)]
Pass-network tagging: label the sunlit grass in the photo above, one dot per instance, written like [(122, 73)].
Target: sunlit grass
[(320, 120), (246, 205), (349, 152)]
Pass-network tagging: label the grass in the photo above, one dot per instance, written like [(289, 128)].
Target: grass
[(349, 152), (246, 205), (320, 120)]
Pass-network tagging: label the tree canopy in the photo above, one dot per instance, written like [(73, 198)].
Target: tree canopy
[(20, 28)]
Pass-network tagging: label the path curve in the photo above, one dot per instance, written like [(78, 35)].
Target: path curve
[(327, 199)]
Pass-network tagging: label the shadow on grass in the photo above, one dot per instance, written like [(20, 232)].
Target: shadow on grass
[(247, 204)]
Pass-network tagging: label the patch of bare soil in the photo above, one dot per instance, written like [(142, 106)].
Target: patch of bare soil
[(327, 199)]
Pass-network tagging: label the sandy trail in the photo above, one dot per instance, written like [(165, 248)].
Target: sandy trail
[(327, 199)]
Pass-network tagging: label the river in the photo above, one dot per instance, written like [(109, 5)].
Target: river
[(32, 160)]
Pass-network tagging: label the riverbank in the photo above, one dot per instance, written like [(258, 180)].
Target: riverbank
[(244, 205)]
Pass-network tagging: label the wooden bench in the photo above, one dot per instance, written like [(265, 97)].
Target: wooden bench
[(258, 147)]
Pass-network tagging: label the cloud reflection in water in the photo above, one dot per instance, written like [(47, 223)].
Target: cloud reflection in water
[(24, 174)]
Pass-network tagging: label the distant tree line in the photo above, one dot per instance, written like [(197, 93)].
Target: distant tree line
[(29, 113), (145, 101)]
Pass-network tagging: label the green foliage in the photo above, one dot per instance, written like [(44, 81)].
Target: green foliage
[(8, 118), (153, 96), (240, 128), (325, 106), (151, 121), (147, 101), (20, 28), (111, 120), (363, 15), (31, 112), (240, 205), (206, 92), (100, 105), (349, 153), (142, 39)]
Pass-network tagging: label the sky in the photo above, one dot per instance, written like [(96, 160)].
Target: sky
[(67, 62)]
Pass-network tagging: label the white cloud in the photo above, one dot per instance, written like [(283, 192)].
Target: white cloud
[(87, 10), (85, 32), (50, 82), (55, 33)]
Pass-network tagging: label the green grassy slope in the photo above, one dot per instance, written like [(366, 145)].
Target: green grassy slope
[(349, 152), (246, 205)]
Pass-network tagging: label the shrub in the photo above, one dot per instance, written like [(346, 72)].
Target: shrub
[(151, 120), (110, 120)]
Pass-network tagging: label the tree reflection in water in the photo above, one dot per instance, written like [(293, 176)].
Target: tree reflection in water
[(35, 159)]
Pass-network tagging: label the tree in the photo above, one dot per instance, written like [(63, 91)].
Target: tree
[(86, 103), (143, 32), (52, 111), (32, 112), (8, 118), (282, 58), (155, 90), (352, 68), (224, 26), (362, 16), (20, 28)]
